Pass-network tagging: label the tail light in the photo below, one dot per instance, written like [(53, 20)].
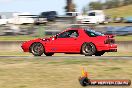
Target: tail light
[(109, 41), (110, 36)]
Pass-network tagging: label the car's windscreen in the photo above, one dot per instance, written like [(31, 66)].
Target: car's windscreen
[(91, 14), (93, 33), (69, 34)]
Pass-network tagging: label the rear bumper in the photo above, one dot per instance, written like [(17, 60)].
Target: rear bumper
[(108, 48), (112, 50)]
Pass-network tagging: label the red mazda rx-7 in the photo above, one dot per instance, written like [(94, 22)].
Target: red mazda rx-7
[(72, 41)]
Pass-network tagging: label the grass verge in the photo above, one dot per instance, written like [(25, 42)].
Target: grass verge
[(14, 53), (25, 38), (123, 38), (58, 73), (17, 38), (123, 11)]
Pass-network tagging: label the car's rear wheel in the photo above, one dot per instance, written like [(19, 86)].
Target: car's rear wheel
[(88, 49), (37, 49), (99, 53)]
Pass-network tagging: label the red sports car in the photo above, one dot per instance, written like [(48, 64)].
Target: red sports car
[(72, 41)]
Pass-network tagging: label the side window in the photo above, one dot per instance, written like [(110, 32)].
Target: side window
[(74, 34), (69, 34), (63, 35), (91, 34)]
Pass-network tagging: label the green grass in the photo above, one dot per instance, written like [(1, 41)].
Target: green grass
[(123, 38), (25, 38), (58, 73), (16, 38), (14, 53), (19, 38), (118, 54), (123, 11), (118, 24)]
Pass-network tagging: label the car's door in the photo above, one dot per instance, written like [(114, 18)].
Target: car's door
[(66, 42)]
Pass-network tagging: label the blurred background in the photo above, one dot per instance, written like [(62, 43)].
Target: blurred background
[(22, 20)]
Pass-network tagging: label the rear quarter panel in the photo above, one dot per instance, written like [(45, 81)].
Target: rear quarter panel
[(97, 41)]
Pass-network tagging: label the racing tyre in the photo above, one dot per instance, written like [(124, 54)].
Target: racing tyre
[(99, 53), (37, 49), (88, 49), (49, 54)]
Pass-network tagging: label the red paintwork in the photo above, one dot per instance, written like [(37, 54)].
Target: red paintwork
[(71, 45)]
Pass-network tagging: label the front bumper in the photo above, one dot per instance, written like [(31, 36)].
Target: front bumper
[(25, 47)]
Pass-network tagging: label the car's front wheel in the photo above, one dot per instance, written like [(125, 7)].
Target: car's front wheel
[(88, 49), (37, 49)]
